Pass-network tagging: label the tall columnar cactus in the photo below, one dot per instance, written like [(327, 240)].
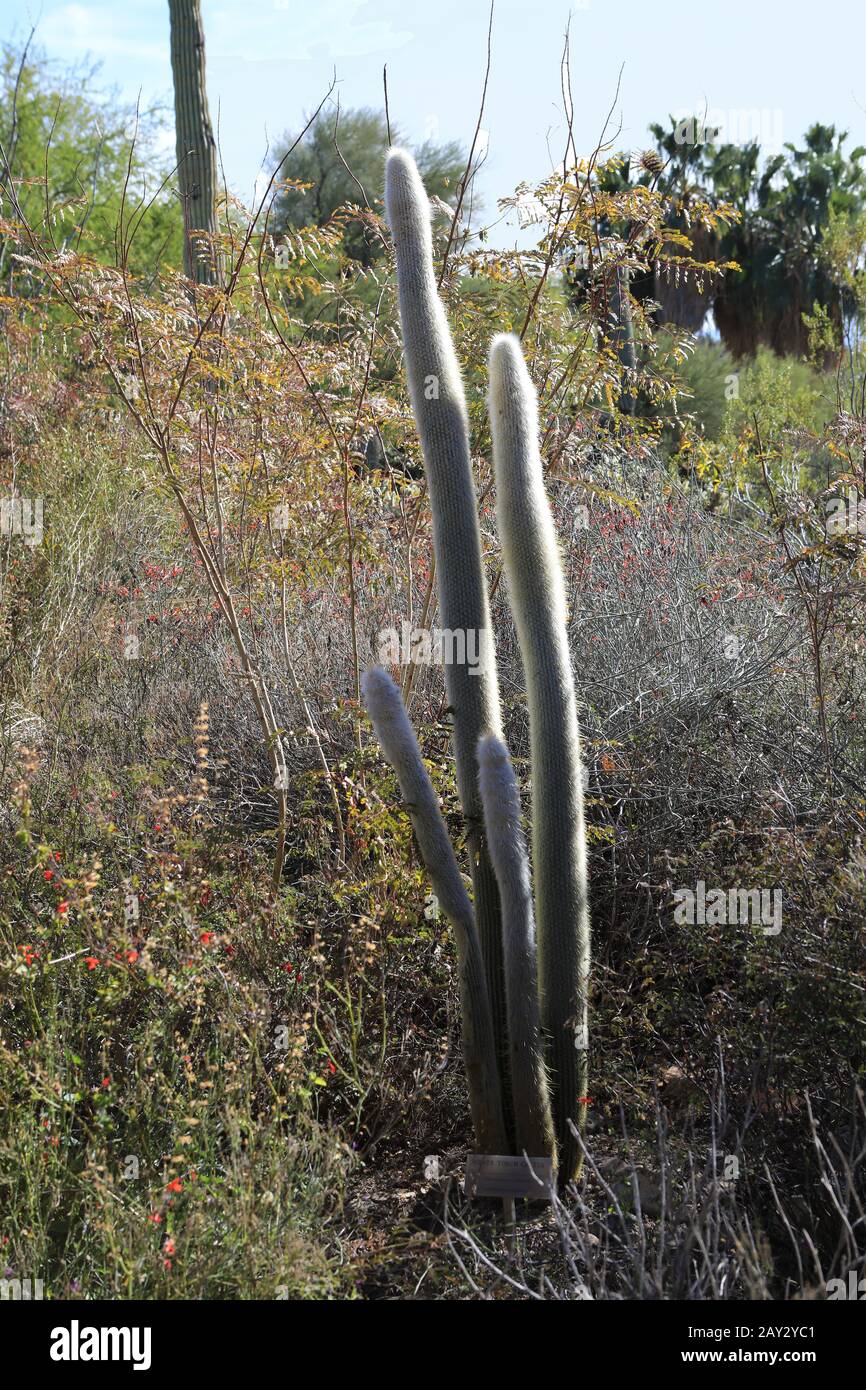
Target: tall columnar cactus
[(537, 596), (533, 1015), (196, 147), (439, 405)]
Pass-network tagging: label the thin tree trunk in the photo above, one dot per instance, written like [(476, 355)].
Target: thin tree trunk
[(196, 147), (622, 332)]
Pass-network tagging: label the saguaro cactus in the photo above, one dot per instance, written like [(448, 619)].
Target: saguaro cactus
[(550, 1031), (196, 147)]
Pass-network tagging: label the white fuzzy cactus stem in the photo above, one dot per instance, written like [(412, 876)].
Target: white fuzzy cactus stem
[(439, 406), (501, 800), (537, 597), (398, 743)]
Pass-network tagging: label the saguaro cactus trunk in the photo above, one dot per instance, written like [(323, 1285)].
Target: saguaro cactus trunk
[(196, 147)]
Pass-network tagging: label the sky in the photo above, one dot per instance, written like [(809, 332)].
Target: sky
[(770, 67)]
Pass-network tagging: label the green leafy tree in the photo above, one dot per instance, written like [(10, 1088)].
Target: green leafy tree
[(341, 161), (89, 158)]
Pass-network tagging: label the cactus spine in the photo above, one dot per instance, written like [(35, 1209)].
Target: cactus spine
[(530, 1014), (439, 406), (400, 746), (537, 596)]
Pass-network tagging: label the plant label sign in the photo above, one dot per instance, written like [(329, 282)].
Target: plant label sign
[(504, 1175)]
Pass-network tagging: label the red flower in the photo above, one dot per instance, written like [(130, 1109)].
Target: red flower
[(206, 938), (48, 875), (331, 1067), (106, 1080), (155, 1217), (175, 1185), (91, 962), (132, 957), (63, 907), (168, 1247)]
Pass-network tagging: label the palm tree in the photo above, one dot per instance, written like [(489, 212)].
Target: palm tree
[(785, 209)]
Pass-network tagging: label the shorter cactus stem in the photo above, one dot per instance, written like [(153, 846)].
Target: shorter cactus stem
[(501, 800), (400, 746)]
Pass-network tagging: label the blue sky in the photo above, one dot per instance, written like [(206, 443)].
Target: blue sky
[(269, 61)]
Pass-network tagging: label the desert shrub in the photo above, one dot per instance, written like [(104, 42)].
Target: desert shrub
[(159, 1137)]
